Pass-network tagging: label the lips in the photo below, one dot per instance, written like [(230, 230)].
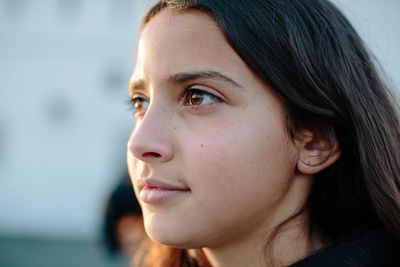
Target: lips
[(152, 191)]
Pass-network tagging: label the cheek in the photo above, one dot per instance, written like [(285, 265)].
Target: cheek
[(211, 158), (239, 162)]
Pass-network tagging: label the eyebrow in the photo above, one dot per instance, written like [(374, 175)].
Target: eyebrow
[(183, 77), (137, 84), (190, 76)]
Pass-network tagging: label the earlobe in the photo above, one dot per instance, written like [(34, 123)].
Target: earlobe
[(317, 151)]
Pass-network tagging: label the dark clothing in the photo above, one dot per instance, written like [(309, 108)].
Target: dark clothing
[(373, 249)]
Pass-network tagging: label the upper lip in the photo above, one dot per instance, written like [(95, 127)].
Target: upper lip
[(151, 182)]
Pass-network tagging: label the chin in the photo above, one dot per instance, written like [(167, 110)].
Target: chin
[(176, 237)]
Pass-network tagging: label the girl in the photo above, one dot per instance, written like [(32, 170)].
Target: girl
[(264, 137)]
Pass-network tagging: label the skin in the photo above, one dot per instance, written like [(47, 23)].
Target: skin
[(226, 145)]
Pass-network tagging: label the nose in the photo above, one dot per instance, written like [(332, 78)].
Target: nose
[(150, 140)]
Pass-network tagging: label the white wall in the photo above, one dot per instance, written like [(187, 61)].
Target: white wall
[(64, 66), (378, 23)]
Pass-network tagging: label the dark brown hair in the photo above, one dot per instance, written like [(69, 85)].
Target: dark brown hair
[(309, 53)]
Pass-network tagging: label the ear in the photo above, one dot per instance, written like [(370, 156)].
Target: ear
[(317, 151)]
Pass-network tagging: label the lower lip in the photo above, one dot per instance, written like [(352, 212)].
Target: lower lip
[(156, 195)]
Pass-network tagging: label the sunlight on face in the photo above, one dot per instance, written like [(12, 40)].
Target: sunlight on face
[(209, 157)]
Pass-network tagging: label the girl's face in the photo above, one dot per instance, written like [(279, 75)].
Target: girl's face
[(209, 157)]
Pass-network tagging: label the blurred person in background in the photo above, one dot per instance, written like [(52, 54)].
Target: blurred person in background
[(123, 230)]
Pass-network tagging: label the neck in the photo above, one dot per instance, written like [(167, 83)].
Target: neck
[(283, 246)]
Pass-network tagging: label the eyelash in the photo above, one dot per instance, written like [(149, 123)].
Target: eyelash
[(186, 100)]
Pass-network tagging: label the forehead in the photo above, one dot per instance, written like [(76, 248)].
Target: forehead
[(183, 41), (170, 21)]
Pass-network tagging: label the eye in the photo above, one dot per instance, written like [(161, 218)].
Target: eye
[(139, 104), (198, 97)]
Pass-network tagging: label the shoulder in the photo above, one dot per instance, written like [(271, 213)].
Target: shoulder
[(371, 249)]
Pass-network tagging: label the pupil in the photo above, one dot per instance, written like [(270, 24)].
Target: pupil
[(138, 105), (196, 99)]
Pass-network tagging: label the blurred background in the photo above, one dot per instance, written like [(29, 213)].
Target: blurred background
[(65, 121)]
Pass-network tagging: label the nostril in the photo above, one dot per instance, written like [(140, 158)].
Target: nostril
[(151, 154)]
